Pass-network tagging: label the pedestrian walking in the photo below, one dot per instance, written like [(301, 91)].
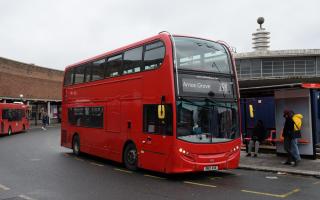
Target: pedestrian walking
[(258, 135), (44, 120), (297, 120), (288, 136)]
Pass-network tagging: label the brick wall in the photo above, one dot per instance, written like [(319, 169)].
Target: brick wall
[(32, 81)]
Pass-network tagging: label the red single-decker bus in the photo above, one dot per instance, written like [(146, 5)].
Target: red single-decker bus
[(13, 118)]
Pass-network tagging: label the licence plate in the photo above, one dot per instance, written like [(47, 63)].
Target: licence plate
[(210, 168)]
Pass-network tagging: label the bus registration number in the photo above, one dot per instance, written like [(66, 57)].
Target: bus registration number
[(210, 168)]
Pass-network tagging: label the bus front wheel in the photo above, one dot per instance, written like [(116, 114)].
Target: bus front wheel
[(130, 157), (76, 145)]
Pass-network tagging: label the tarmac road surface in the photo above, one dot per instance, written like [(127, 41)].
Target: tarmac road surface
[(34, 166)]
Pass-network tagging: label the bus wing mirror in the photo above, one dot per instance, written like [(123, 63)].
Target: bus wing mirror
[(161, 112), (251, 111)]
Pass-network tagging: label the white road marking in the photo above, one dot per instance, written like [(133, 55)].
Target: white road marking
[(4, 187), (26, 197), (155, 177), (199, 184), (96, 164), (316, 183), (271, 177), (123, 170)]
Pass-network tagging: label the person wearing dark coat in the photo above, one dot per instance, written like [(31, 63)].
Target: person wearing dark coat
[(258, 135), (287, 133)]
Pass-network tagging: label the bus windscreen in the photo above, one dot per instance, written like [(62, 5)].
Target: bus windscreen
[(201, 55), (207, 121)]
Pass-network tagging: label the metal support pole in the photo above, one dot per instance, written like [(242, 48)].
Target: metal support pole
[(49, 112), (36, 117)]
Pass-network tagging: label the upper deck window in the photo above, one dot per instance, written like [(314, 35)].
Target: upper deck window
[(132, 61), (145, 57), (153, 55), (201, 55), (87, 72), (114, 66), (68, 79), (79, 74), (97, 69)]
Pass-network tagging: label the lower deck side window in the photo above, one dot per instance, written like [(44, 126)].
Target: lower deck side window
[(91, 117), (13, 114)]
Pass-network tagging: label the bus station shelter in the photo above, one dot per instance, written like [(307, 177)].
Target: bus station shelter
[(267, 102)]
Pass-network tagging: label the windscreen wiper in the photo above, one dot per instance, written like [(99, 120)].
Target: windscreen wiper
[(214, 65), (187, 100)]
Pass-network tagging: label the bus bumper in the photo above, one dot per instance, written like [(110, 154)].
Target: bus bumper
[(184, 161)]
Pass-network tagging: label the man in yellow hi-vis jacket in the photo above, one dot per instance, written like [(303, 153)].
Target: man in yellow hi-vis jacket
[(297, 119)]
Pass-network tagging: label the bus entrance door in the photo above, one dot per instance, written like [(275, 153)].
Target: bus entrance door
[(154, 151)]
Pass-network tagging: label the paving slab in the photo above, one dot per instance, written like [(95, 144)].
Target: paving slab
[(273, 163)]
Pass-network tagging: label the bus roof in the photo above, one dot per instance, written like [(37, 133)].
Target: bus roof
[(161, 35), (118, 50)]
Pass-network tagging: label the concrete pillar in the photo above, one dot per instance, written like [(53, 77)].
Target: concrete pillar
[(49, 112)]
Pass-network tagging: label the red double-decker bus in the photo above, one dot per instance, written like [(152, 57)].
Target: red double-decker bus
[(13, 118), (168, 103)]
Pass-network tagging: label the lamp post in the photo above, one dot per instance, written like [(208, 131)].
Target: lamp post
[(21, 98)]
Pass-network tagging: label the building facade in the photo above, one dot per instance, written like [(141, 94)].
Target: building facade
[(262, 69), (272, 81), (36, 86)]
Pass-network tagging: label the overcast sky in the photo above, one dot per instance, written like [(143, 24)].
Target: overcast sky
[(56, 33)]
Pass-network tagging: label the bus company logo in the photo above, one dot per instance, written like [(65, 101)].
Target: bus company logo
[(211, 160)]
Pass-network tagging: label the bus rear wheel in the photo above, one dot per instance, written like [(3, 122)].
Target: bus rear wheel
[(9, 131), (130, 157), (76, 145)]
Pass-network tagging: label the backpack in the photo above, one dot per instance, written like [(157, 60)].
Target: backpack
[(297, 120)]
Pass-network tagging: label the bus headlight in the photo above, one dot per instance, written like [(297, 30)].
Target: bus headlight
[(181, 150), (235, 149), (187, 155)]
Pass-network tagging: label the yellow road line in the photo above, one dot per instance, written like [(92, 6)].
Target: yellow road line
[(272, 195), (3, 187), (291, 192), (96, 164), (123, 170), (155, 177), (199, 184)]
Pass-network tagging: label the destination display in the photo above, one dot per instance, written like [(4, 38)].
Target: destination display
[(213, 86)]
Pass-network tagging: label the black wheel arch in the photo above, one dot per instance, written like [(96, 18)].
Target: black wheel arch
[(124, 147)]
